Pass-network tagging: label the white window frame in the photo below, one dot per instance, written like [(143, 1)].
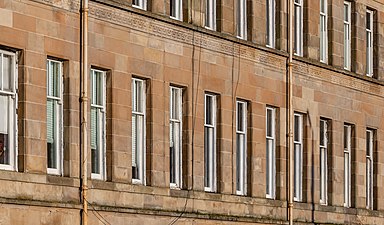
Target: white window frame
[(298, 23), (298, 158), (347, 164), (241, 148), (140, 4), (11, 96), (347, 35), (176, 9), (369, 167), (369, 44), (210, 14), (100, 123), (241, 19), (323, 31), (176, 121), (324, 141), (270, 131), (139, 151), (58, 118), (210, 171), (271, 23)]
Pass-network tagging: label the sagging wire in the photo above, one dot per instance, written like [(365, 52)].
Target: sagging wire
[(98, 215), (194, 110)]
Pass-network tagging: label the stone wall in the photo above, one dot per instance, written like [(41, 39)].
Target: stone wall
[(128, 43)]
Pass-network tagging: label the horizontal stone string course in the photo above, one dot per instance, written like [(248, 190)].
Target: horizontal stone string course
[(339, 79)]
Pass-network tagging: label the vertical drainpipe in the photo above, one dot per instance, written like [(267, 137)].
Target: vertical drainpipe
[(290, 114), (84, 106)]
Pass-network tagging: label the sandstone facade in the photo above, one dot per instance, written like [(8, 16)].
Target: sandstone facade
[(127, 42)]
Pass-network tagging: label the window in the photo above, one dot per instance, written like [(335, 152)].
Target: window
[(241, 148), (298, 27), (210, 14), (369, 167), (210, 143), (369, 31), (175, 133), (323, 31), (177, 9), (347, 35), (347, 164), (98, 97), (241, 19), (8, 104), (271, 11), (54, 116), (298, 157), (138, 131), (271, 151), (323, 161), (140, 4)]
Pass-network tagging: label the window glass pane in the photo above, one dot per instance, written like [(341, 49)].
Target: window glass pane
[(175, 103), (368, 143), (173, 8), (139, 91), (137, 3), (208, 139), (269, 123), (323, 171), (346, 12), (49, 79), (1, 71), (208, 13), (95, 159), (297, 128), (56, 78), (368, 20), (209, 156), (4, 114), (322, 6), (95, 148), (4, 150), (137, 146), (345, 137), (139, 96), (97, 88), (134, 140), (238, 162), (322, 133), (240, 117), (297, 171), (270, 162), (7, 72), (172, 104), (268, 11), (94, 126), (172, 153), (175, 149), (238, 18), (208, 110), (51, 142), (297, 28), (94, 88), (4, 130), (50, 120)]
